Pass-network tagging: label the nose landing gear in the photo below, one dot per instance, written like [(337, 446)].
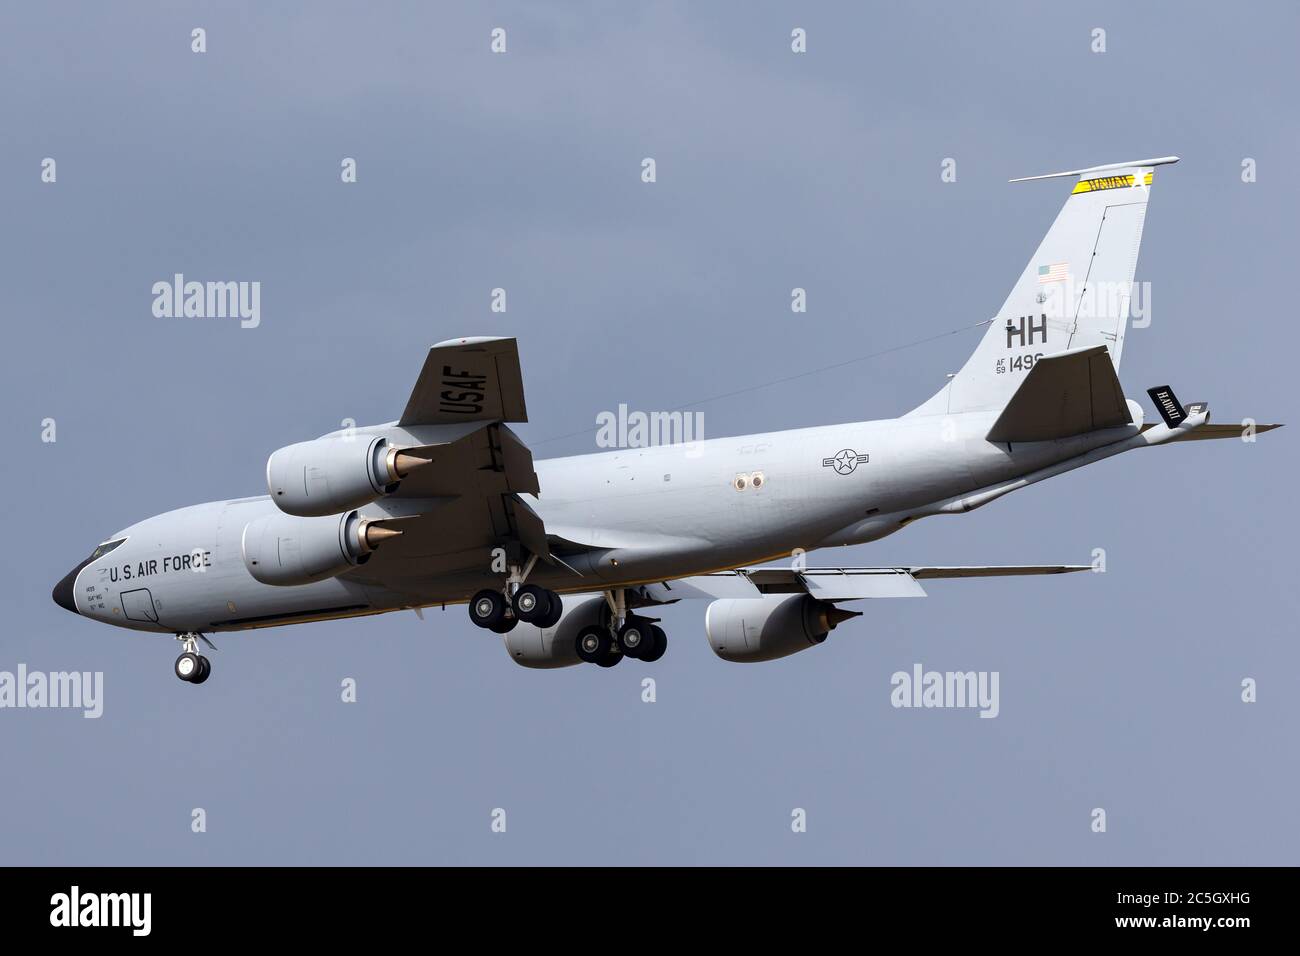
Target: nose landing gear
[(192, 666)]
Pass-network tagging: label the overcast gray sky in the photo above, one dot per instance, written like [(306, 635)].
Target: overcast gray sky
[(522, 171)]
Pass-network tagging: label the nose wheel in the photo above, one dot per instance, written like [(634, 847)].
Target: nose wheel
[(192, 667)]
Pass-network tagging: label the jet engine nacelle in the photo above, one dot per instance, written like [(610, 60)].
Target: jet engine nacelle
[(532, 646), (747, 630), (329, 475), (286, 550)]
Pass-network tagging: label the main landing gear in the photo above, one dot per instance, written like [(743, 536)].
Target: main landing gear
[(624, 636), (620, 633), (192, 666), (500, 611), (530, 604)]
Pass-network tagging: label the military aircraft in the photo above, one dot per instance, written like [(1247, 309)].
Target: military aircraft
[(568, 558)]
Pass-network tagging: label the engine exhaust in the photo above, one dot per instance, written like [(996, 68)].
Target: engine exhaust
[(400, 464)]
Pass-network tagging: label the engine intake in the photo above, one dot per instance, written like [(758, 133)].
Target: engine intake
[(286, 550), (329, 475), (747, 630)]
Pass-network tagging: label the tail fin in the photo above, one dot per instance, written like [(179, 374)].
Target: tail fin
[(1073, 294)]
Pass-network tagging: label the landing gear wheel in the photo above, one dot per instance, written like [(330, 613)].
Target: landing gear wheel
[(610, 659), (557, 611), (505, 625), (635, 638), (205, 671), (532, 604), (188, 667), (594, 644), (488, 608), (655, 648)]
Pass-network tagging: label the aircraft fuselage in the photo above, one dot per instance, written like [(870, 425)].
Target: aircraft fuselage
[(632, 516)]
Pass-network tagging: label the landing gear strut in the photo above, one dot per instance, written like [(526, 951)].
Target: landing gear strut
[(192, 666)]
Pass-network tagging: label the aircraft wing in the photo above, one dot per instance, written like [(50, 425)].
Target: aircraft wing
[(470, 501), (834, 584)]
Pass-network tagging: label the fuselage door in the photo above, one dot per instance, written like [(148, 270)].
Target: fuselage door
[(137, 605)]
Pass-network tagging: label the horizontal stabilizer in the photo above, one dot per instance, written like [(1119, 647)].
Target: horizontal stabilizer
[(1226, 430), (1131, 164), (1066, 394)]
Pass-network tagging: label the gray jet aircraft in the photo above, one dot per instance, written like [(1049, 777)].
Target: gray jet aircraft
[(568, 558)]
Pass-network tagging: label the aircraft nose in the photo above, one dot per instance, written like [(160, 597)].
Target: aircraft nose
[(63, 590)]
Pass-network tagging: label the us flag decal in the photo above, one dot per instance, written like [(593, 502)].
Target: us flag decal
[(1056, 272)]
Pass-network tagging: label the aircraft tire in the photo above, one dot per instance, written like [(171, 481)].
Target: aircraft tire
[(557, 611), (532, 604), (635, 638), (593, 644), (188, 667), (487, 608), (205, 670), (658, 645)]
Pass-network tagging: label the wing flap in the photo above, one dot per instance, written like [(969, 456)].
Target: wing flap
[(837, 584), (724, 584), (527, 527)]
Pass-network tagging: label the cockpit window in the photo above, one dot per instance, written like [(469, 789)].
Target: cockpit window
[(106, 547)]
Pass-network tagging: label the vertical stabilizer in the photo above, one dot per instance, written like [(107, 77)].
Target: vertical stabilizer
[(1074, 292)]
